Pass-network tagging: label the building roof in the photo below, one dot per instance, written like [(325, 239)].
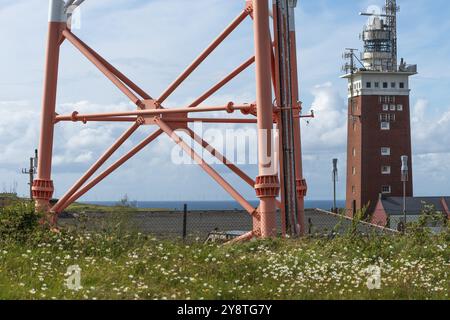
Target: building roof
[(362, 71), (414, 205)]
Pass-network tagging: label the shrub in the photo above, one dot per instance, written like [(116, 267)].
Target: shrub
[(18, 221)]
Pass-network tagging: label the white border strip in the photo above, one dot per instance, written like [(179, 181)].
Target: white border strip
[(56, 11)]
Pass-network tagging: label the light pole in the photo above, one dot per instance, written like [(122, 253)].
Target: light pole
[(335, 178), (404, 174)]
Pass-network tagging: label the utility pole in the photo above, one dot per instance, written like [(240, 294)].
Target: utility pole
[(31, 171), (404, 179), (335, 178)]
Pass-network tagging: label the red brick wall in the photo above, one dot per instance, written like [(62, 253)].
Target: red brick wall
[(354, 141), (368, 139)]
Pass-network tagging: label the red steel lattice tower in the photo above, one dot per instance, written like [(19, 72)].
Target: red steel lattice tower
[(273, 73)]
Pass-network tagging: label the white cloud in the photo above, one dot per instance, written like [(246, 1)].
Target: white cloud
[(327, 131), (430, 129), (152, 42)]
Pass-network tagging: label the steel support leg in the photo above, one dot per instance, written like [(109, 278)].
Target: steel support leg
[(267, 184), (43, 185), (301, 182)]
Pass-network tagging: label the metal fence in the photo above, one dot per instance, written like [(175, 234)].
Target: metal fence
[(200, 224)]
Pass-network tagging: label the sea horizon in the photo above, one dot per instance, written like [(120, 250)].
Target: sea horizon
[(210, 205)]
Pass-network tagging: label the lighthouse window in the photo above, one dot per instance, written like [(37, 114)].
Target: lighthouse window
[(369, 85), (386, 189), (385, 85), (386, 170), (385, 151)]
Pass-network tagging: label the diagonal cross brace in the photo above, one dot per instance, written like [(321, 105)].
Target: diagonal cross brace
[(207, 168)]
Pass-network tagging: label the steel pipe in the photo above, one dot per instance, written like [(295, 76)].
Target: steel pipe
[(117, 73), (296, 123), (208, 169), (149, 112), (111, 169), (189, 120), (236, 22), (91, 57), (245, 237), (106, 119), (212, 120), (43, 185), (124, 137), (219, 85), (222, 158), (267, 207)]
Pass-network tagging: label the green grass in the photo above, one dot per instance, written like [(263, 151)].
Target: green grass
[(91, 208), (137, 267), (117, 265)]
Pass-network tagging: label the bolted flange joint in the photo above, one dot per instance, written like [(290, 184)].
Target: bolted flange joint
[(42, 190), (267, 186), (302, 188), (257, 233), (74, 116), (230, 107), (140, 120), (251, 109), (249, 6)]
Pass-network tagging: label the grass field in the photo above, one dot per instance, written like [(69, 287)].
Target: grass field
[(118, 265)]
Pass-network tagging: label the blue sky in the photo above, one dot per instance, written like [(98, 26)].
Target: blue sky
[(153, 41)]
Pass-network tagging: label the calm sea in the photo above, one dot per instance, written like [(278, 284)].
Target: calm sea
[(212, 205)]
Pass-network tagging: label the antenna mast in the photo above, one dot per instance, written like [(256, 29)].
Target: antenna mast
[(391, 10), (350, 68)]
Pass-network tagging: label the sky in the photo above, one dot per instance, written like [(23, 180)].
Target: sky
[(152, 41)]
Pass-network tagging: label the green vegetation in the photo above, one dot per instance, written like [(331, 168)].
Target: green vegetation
[(8, 195), (119, 265), (7, 199), (92, 208)]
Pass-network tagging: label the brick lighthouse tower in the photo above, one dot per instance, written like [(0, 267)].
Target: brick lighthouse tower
[(379, 129)]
